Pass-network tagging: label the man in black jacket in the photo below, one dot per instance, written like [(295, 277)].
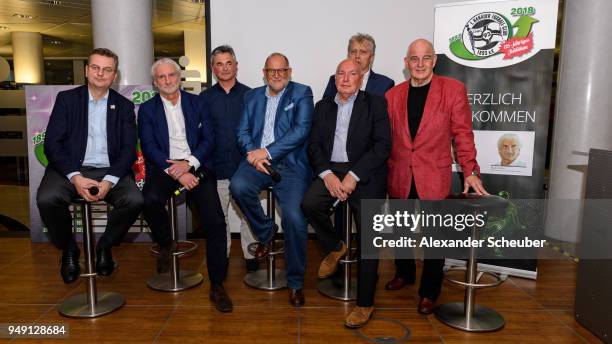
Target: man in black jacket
[(348, 149), (90, 142)]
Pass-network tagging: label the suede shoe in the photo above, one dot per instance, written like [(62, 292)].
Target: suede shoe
[(70, 268), (219, 297), (329, 265), (358, 317), (105, 265)]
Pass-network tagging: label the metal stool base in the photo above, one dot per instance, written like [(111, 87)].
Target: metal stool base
[(484, 319), (163, 282), (77, 306), (259, 280), (329, 289)]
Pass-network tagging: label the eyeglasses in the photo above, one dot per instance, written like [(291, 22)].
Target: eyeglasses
[(280, 71), (424, 59), (97, 69)]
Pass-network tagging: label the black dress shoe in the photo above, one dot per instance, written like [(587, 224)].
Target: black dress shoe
[(164, 257), (219, 297), (104, 261), (296, 297), (252, 265), (70, 269)]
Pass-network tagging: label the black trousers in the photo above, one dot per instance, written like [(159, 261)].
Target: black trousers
[(55, 193), (432, 274), (315, 206), (158, 188)]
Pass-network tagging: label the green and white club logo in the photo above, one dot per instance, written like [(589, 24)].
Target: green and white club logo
[(484, 32)]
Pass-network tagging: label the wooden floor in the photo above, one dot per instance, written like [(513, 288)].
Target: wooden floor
[(31, 288)]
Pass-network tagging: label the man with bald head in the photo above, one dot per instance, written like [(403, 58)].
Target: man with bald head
[(428, 113), (348, 149)]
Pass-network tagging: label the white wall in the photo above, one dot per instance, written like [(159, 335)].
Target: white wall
[(314, 34)]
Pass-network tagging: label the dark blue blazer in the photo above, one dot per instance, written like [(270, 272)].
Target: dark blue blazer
[(291, 126), (153, 131), (66, 135), (377, 85)]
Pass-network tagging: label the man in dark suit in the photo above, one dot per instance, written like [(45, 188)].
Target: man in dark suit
[(273, 131), (362, 48), (348, 148), (177, 138), (90, 142)]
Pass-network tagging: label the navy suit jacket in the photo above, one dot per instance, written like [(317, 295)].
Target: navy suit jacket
[(378, 85), (66, 135), (153, 131), (291, 126)]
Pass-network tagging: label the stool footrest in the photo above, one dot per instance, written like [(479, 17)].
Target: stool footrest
[(498, 279), (191, 246)]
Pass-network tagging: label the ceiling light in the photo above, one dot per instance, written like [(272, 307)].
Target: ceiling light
[(54, 2), (4, 28)]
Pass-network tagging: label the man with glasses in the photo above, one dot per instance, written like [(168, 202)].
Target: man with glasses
[(176, 137), (90, 142), (225, 102), (428, 113), (273, 131), (362, 48)]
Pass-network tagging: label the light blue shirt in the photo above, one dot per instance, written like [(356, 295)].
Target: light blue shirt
[(343, 120), (96, 152), (271, 107)]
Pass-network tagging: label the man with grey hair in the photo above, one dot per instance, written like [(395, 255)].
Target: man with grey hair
[(362, 48), (176, 138), (509, 148), (225, 102)]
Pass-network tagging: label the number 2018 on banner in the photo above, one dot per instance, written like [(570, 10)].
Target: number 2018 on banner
[(523, 11)]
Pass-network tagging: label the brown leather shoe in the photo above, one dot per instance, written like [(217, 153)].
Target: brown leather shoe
[(358, 317), (262, 250), (296, 297), (426, 306), (398, 283), (219, 297), (329, 265)]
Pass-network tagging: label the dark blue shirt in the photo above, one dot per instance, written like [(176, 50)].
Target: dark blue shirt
[(226, 110)]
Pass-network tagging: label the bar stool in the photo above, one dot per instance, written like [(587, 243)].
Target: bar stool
[(92, 303), (348, 290), (466, 315), (271, 278), (175, 280)]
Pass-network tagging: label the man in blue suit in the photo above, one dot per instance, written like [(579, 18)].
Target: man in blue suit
[(273, 131), (90, 142), (176, 137), (362, 49)]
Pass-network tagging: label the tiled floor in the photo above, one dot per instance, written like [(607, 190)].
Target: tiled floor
[(30, 288)]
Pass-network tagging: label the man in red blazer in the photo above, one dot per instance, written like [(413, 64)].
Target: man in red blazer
[(427, 114)]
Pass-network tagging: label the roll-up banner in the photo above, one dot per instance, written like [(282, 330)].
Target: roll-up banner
[(39, 104), (504, 51)]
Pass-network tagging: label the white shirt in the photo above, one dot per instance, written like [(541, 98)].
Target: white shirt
[(179, 149), (364, 82)]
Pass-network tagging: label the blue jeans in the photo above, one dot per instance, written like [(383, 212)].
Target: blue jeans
[(245, 186)]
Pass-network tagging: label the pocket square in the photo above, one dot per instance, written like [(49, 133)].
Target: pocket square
[(199, 125), (290, 106), (112, 106)]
